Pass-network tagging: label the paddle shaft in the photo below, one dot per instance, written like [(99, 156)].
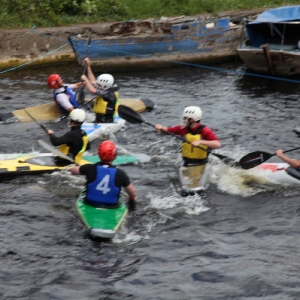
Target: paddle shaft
[(55, 151), (65, 116), (131, 116), (184, 140), (41, 125), (87, 55)]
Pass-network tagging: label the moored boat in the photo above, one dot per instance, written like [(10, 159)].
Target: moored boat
[(154, 44), (102, 222), (272, 45)]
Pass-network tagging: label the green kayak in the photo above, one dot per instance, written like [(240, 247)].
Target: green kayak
[(102, 222)]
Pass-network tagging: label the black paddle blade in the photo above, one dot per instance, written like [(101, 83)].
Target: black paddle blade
[(254, 159), (80, 96), (129, 115)]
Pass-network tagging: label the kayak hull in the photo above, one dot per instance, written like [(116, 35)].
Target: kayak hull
[(43, 163), (277, 173), (95, 130), (101, 222), (50, 111), (192, 179)]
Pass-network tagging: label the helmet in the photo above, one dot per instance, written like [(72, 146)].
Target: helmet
[(192, 112), (107, 151), (53, 81), (77, 115), (106, 81)]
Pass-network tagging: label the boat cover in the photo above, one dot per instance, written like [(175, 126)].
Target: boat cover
[(263, 27)]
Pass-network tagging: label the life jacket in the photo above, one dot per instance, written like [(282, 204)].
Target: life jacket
[(190, 152), (65, 149), (103, 190), (105, 106), (72, 97)]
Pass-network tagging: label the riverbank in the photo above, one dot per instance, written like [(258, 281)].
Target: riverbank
[(42, 46)]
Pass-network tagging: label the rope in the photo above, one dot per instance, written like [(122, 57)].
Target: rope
[(206, 67), (38, 58)]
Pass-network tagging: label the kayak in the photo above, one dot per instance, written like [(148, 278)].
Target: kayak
[(50, 111), (24, 164), (93, 131), (192, 179), (102, 222), (281, 173)]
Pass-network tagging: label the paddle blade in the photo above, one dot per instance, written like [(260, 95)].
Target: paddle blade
[(80, 96), (254, 159), (55, 151), (129, 115)]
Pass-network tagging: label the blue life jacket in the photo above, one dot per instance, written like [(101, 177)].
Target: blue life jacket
[(72, 98), (103, 190)]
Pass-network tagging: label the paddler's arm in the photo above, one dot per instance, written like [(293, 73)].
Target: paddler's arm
[(131, 193), (216, 144), (88, 84), (292, 162), (75, 170), (90, 73), (161, 128)]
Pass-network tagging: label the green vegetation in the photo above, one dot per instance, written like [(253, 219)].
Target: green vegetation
[(42, 13)]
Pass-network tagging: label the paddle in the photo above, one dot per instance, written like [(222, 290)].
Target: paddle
[(255, 158), (65, 116), (55, 151), (41, 125), (133, 117), (80, 93)]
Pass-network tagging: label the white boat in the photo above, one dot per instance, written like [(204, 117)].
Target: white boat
[(192, 179), (96, 130), (278, 173)]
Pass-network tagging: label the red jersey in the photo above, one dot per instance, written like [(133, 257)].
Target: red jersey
[(206, 134)]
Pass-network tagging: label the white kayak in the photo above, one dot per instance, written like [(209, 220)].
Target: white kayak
[(96, 130), (277, 172), (192, 179)]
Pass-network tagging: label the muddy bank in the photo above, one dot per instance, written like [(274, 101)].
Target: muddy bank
[(40, 46)]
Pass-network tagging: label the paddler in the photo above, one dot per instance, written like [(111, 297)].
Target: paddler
[(63, 94), (292, 162), (106, 101), (195, 133), (74, 142), (104, 181)]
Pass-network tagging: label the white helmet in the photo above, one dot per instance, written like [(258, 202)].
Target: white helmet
[(106, 81), (192, 112), (77, 115)]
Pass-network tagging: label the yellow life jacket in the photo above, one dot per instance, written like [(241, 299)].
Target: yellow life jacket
[(100, 105), (190, 152), (64, 148)]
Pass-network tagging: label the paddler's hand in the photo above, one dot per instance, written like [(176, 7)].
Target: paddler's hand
[(49, 132), (279, 152), (196, 143), (83, 77), (87, 61), (158, 127)]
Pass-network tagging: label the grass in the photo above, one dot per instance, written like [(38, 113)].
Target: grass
[(54, 13)]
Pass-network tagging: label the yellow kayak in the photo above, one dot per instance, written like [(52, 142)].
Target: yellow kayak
[(50, 111)]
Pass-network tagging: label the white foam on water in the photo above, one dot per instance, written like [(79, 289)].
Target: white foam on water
[(192, 204)]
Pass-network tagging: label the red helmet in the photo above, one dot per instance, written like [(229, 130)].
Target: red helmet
[(53, 81), (107, 151)]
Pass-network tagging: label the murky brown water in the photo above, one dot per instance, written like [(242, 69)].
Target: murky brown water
[(240, 240)]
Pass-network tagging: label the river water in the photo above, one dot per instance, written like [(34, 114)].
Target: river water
[(238, 240)]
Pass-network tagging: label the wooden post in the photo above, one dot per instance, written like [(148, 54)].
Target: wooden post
[(268, 58)]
